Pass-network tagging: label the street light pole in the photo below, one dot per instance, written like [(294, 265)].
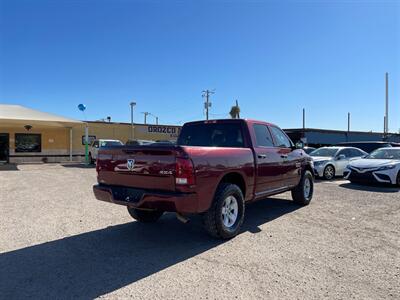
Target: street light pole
[(132, 104), (387, 104)]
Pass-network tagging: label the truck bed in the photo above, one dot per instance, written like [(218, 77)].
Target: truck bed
[(156, 166)]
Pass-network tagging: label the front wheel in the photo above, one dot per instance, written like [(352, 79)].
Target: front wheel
[(145, 216), (303, 192), (398, 179), (329, 172), (226, 214)]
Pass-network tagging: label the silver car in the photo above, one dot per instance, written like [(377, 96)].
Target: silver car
[(332, 161)]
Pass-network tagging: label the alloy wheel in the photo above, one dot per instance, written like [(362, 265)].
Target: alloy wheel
[(329, 172), (307, 188), (230, 211)]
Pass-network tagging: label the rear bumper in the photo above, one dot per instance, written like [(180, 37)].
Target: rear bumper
[(150, 199)]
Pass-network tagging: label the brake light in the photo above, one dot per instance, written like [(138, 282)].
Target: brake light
[(102, 159), (184, 171), (98, 168)]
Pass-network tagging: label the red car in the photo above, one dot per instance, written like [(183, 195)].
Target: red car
[(214, 169)]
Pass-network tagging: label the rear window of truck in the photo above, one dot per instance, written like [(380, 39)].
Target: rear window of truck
[(212, 135)]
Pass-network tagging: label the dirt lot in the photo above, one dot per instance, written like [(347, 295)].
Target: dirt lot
[(57, 241)]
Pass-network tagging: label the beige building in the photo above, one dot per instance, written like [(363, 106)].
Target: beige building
[(28, 135)]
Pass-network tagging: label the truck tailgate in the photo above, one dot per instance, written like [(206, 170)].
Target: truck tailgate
[(141, 167)]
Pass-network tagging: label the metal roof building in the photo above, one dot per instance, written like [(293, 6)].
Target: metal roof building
[(28, 135), (325, 137), (17, 114)]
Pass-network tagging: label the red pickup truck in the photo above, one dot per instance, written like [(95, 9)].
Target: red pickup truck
[(216, 167)]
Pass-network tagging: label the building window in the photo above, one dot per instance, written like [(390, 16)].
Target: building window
[(28, 142)]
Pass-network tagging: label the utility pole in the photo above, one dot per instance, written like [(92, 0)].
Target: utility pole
[(387, 105), (304, 119), (348, 122), (156, 120), (384, 127), (348, 127), (132, 104), (145, 116), (207, 104)]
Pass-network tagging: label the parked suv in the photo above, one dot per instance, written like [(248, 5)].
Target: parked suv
[(216, 167)]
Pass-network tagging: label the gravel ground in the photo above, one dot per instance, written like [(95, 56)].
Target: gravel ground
[(57, 241)]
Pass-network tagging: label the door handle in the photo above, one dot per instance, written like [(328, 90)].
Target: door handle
[(262, 156), (284, 156)]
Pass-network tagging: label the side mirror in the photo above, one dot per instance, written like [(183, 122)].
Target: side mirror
[(340, 157), (299, 145)]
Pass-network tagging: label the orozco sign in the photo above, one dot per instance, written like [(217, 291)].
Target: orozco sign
[(167, 130), (159, 131), (163, 129)]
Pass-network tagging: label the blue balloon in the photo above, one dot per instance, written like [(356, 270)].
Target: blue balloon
[(82, 107)]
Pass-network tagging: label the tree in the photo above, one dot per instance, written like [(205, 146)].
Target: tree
[(235, 111)]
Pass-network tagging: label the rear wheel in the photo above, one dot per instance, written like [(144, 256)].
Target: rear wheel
[(226, 214), (303, 192), (398, 179), (145, 216), (329, 172)]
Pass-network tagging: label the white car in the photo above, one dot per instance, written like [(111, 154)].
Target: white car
[(381, 166), (331, 161), (98, 144)]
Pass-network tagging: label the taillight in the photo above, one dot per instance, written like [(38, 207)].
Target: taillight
[(184, 172), (98, 167), (102, 159)]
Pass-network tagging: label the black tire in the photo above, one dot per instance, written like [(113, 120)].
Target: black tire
[(398, 179), (213, 219), (145, 216), (327, 175), (299, 193)]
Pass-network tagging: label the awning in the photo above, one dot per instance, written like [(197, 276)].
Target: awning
[(16, 114)]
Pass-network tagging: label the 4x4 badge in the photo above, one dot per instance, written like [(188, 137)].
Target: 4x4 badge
[(130, 164)]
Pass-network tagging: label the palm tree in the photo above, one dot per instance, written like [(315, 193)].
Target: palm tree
[(235, 111)]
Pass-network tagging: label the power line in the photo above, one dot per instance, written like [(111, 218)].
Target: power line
[(190, 119), (217, 115), (154, 117)]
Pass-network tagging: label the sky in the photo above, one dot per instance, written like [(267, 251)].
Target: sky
[(274, 57)]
